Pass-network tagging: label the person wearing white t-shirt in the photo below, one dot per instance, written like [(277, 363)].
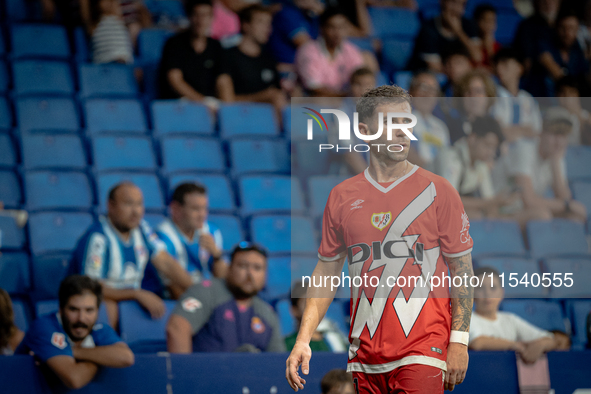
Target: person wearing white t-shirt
[(491, 329)]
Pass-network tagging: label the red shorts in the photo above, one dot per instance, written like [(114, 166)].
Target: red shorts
[(408, 379)]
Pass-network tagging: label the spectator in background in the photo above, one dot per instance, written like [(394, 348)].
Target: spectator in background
[(568, 94), (111, 41), (325, 65), (337, 381), (357, 15), (70, 342), (515, 109), (584, 33), (327, 337), (456, 64), (116, 250), (194, 242), (562, 340), (227, 315), (492, 329), (485, 17), (438, 35), (253, 71), (192, 64), (537, 167), (10, 335), (431, 132)]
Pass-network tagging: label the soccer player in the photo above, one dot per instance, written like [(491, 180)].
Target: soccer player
[(394, 220)]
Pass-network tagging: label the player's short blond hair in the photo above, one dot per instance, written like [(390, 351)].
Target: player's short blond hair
[(390, 94)]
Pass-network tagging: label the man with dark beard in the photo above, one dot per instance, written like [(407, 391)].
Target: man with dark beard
[(70, 342), (227, 316)]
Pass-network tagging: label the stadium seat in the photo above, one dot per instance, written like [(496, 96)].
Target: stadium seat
[(363, 43), (150, 45), (319, 187), (578, 311), (10, 190), (507, 23), (3, 49), (154, 219), (389, 22), (286, 117), (53, 232), (309, 160), (231, 229), (580, 273), (148, 183), (181, 117), (103, 115), (42, 77), (34, 40), (14, 272), (81, 45), (303, 266), (430, 11), (142, 333), (259, 155), (8, 156), (55, 151), (252, 119), (496, 237), (221, 194), (5, 114), (558, 237), (275, 233), (403, 79), (577, 163), (21, 318), (18, 10), (107, 81), (4, 77), (122, 152), (278, 279), (47, 190), (276, 193), (582, 193), (521, 267), (47, 114), (47, 307), (395, 54), (48, 272), (296, 124), (286, 320), (184, 154), (543, 314), (336, 313), (13, 236)]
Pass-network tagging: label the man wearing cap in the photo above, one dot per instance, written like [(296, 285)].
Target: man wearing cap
[(536, 168), (226, 315)]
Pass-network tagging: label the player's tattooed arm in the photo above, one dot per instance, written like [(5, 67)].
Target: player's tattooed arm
[(461, 296)]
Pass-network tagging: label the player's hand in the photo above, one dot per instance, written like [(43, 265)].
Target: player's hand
[(206, 241), (300, 355), (151, 302), (457, 365)]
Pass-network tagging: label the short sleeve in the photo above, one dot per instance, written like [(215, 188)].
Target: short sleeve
[(168, 243), (476, 329), (104, 335), (452, 222), (196, 305), (171, 58), (527, 332), (46, 343), (521, 158), (94, 263), (332, 246)]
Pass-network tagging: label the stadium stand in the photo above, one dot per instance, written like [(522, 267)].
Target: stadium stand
[(149, 184), (42, 77), (185, 154), (273, 193), (544, 314), (47, 190), (520, 267), (222, 198), (573, 269), (52, 232), (53, 151), (181, 117), (5, 114), (13, 236), (47, 114), (47, 273), (122, 153), (558, 237), (577, 163), (142, 333), (496, 237), (252, 119), (231, 228), (272, 156), (36, 40), (107, 81), (8, 156), (10, 190), (15, 276), (123, 115)]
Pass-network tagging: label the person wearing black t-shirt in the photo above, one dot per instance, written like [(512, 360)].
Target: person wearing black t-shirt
[(253, 70), (192, 64)]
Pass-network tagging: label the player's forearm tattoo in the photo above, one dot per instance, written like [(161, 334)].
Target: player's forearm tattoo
[(462, 296)]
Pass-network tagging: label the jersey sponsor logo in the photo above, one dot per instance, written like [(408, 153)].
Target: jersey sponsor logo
[(257, 325), (357, 204), (464, 235), (191, 304), (381, 220), (229, 315), (59, 340), (436, 350)]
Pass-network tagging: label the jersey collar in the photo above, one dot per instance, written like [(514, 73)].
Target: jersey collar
[(393, 185)]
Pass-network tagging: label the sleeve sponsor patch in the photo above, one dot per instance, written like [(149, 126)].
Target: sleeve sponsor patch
[(191, 304), (59, 340)]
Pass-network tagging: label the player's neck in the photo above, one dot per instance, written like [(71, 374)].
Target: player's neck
[(385, 172)]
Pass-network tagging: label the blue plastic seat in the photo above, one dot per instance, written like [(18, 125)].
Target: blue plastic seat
[(252, 119), (278, 278), (259, 194), (47, 114), (395, 54), (47, 307), (521, 267), (319, 188), (388, 22), (275, 233), (221, 194), (580, 270), (47, 190), (5, 114), (21, 316), (13, 236), (184, 154), (2, 44), (496, 237), (142, 333), (18, 10), (181, 117), (42, 77), (81, 45), (231, 229), (4, 76), (286, 320), (543, 314), (150, 45), (582, 193), (558, 237), (154, 219), (259, 155), (112, 115), (107, 80), (123, 153), (577, 163), (55, 151), (336, 313), (35, 40), (507, 24), (53, 232), (578, 311), (147, 182), (296, 123), (48, 272), (10, 190), (14, 273), (309, 161), (8, 156)]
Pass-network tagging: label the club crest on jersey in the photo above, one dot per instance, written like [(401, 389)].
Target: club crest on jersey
[(59, 340), (257, 325), (381, 220), (191, 304)]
